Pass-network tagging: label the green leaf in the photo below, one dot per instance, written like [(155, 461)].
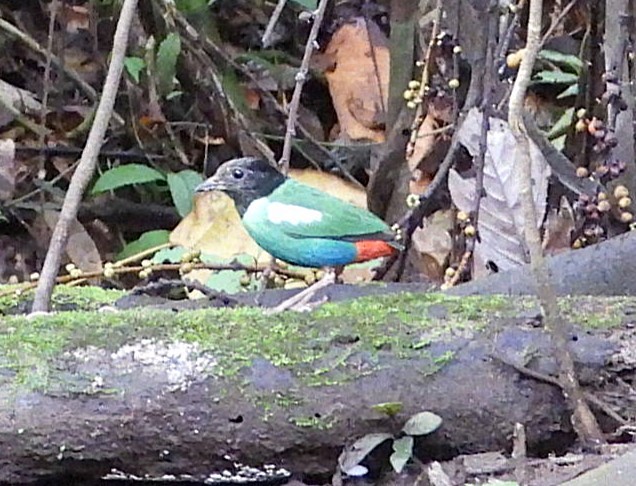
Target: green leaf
[(571, 90), (422, 423), (308, 4), (149, 239), (555, 77), (190, 6), (234, 90), (402, 452), (566, 60), (389, 408), (353, 455), (562, 124), (134, 67), (169, 255), (167, 56), (182, 185), (125, 175), (229, 281)]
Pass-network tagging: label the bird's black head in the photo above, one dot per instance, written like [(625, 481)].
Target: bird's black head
[(244, 180)]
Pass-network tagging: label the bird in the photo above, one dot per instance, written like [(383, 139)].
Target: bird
[(298, 224)]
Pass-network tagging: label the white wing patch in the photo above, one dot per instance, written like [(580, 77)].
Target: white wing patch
[(288, 213)]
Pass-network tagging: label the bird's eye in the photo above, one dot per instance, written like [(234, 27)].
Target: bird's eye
[(237, 174)]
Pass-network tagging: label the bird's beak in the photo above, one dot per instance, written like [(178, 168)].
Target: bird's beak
[(211, 184)]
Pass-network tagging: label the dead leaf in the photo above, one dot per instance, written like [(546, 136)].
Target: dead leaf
[(359, 80), (424, 142), (8, 169), (559, 227), (81, 248), (433, 243), (500, 218)]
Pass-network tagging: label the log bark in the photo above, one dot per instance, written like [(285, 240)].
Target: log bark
[(155, 392)]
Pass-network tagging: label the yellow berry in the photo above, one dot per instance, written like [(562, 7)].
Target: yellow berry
[(143, 274), (624, 202), (462, 216), (581, 126), (320, 274), (76, 273), (620, 191), (604, 206), (408, 94), (187, 267), (513, 60), (453, 83), (580, 113), (582, 172), (412, 200), (450, 272), (34, 276), (279, 281), (245, 280), (108, 265), (70, 267), (470, 231), (577, 244), (602, 196), (146, 263), (13, 279), (109, 272), (310, 278), (414, 84), (411, 105), (457, 50), (626, 217), (186, 257)]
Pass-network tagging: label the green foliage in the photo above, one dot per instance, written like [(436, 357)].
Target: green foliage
[(422, 423), (150, 239), (134, 66), (389, 408), (308, 4), (182, 185), (230, 281), (560, 69), (125, 175), (166, 62), (402, 452), (190, 6)]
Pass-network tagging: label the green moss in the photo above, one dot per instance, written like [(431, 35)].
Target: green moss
[(16, 301), (312, 422), (320, 347)]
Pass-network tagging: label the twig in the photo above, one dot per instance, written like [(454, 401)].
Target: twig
[(471, 241), (583, 420), (301, 77), (556, 22), (273, 20), (88, 161)]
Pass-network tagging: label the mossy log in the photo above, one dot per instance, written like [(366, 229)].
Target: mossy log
[(154, 391)]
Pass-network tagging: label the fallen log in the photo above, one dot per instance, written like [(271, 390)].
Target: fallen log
[(160, 392)]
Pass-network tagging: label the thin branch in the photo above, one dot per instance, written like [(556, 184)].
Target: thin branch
[(273, 20), (301, 77), (88, 161), (583, 420)]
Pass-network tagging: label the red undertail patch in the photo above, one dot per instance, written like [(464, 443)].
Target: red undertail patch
[(371, 249)]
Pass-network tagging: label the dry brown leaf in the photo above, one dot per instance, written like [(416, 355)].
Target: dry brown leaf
[(559, 227), (359, 79), (433, 243), (81, 248), (424, 142)]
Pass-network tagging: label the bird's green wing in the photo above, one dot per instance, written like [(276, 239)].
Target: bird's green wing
[(304, 212)]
